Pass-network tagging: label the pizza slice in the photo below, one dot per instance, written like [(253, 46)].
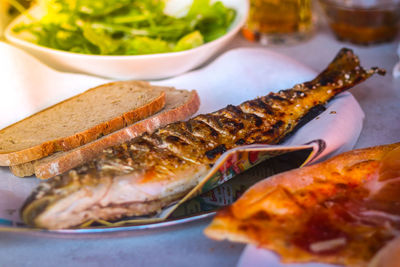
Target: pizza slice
[(341, 211)]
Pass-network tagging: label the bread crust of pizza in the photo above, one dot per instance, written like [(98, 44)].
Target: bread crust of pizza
[(388, 256), (341, 211)]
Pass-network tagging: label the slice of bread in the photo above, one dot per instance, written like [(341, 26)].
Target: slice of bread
[(180, 104), (79, 120)]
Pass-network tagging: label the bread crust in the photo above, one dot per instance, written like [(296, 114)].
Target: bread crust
[(303, 177), (9, 158), (388, 256), (24, 169), (63, 161)]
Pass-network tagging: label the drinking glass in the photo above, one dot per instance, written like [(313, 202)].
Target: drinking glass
[(279, 21)]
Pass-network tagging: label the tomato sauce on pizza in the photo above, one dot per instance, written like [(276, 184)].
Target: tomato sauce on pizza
[(341, 211)]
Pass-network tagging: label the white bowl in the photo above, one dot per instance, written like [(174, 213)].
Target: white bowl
[(149, 67)]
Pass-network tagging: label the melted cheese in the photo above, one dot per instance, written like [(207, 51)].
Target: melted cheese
[(327, 244)]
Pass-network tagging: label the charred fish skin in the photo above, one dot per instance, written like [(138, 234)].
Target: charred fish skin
[(161, 166)]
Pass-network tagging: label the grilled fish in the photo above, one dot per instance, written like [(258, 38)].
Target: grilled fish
[(153, 170)]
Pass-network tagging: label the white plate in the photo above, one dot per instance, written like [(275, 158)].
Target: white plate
[(234, 77), (155, 66)]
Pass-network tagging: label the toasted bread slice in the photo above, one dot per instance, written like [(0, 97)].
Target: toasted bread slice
[(180, 104), (79, 120)]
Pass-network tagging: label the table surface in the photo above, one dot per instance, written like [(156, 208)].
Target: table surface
[(185, 245)]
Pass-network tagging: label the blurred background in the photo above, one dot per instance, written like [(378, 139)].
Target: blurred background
[(362, 22)]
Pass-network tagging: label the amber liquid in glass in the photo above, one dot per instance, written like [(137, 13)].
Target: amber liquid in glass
[(368, 26), (279, 21)]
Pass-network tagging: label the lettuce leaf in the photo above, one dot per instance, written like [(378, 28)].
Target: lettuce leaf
[(189, 41), (144, 45), (127, 27)]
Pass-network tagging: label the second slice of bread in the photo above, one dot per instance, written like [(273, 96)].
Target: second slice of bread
[(180, 104), (79, 120)]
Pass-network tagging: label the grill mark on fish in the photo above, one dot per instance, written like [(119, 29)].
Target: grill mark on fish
[(249, 108), (239, 142), (235, 112), (179, 134), (211, 154), (278, 97), (310, 115), (203, 131), (175, 157), (213, 123), (258, 103)]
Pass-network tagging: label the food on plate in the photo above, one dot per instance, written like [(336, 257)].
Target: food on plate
[(128, 27), (341, 211), (388, 256), (150, 172), (179, 105), (79, 120)]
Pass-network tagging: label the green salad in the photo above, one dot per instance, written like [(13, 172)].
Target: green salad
[(127, 27)]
